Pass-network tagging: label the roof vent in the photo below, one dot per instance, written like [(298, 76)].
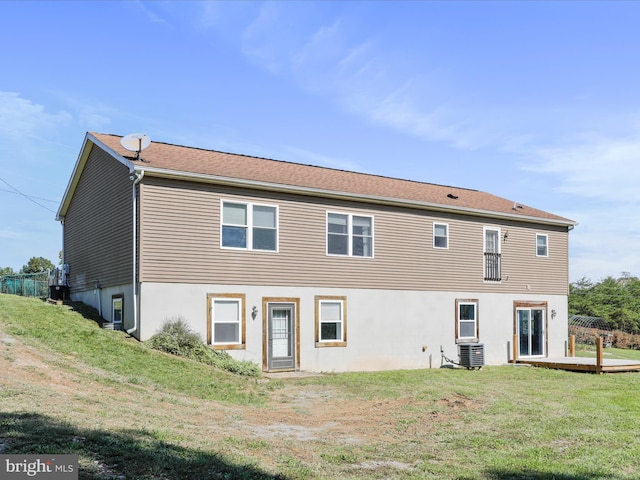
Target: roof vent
[(451, 195)]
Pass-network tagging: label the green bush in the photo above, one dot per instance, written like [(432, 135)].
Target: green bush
[(177, 338)]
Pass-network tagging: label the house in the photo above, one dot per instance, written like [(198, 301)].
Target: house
[(302, 267)]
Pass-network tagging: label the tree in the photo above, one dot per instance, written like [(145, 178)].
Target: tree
[(37, 265), (6, 271), (617, 301), (580, 302)]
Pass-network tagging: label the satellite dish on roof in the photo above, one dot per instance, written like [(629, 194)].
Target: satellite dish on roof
[(136, 142)]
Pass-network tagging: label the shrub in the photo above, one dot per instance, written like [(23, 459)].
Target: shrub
[(177, 338), (626, 340)]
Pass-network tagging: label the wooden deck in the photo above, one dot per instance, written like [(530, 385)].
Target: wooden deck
[(584, 364)]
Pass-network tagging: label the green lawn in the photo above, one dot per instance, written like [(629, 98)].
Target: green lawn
[(615, 353), (67, 331), (133, 413)]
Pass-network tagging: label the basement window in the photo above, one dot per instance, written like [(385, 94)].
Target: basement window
[(331, 321), (226, 322), (467, 321), (117, 311)]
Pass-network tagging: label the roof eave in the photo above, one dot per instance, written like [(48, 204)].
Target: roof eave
[(381, 200)]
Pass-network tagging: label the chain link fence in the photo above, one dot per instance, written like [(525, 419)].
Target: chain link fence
[(26, 284)]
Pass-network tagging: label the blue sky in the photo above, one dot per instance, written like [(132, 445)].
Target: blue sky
[(538, 102)]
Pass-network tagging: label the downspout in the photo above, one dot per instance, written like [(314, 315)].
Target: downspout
[(136, 177), (63, 269), (62, 250), (99, 290), (63, 280)]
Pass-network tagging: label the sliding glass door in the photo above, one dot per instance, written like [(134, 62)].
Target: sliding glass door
[(531, 331)]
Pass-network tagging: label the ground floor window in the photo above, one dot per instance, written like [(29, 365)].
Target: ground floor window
[(467, 320), (331, 321), (226, 321), (117, 311)]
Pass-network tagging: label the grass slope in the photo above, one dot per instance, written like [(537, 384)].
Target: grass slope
[(67, 386), (68, 332)]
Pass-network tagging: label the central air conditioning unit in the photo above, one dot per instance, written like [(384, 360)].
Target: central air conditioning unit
[(471, 355)]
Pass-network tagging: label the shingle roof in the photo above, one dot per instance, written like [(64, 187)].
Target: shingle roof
[(199, 162)]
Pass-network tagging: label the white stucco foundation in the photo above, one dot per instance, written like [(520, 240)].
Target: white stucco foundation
[(100, 299), (386, 329)]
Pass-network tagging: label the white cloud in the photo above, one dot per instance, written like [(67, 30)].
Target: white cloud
[(602, 168), (600, 177), (92, 114), (23, 119), (151, 15), (605, 242), (10, 233), (331, 59)]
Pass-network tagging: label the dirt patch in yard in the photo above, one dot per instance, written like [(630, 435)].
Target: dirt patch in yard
[(299, 421)]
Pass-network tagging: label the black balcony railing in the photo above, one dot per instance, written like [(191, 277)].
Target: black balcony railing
[(492, 267)]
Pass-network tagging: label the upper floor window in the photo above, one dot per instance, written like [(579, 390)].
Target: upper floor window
[(542, 245), (467, 320), (350, 235), (492, 260), (249, 226), (440, 235)]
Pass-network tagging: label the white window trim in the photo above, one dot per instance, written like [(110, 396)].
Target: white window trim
[(499, 240), (249, 226), (484, 238), (214, 322), (349, 234), (446, 225), (342, 321), (546, 245), (115, 298), (460, 303)]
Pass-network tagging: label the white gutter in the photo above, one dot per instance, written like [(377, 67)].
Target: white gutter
[(136, 177)]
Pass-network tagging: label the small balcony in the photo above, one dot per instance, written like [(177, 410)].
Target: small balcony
[(492, 267)]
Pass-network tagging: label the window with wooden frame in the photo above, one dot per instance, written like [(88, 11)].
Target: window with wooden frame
[(226, 321), (249, 226), (542, 245), (331, 321), (467, 330), (440, 235)]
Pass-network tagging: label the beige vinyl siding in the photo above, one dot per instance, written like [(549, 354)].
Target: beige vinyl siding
[(97, 225), (180, 242)]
